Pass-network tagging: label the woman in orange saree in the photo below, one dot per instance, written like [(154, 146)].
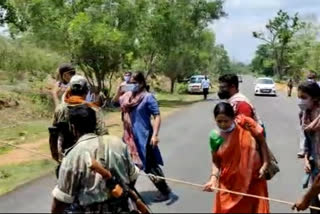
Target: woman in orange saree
[(237, 165)]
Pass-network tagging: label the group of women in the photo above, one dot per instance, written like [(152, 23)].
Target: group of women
[(237, 158)]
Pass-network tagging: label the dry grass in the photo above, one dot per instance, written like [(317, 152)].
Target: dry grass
[(14, 175), (283, 87)]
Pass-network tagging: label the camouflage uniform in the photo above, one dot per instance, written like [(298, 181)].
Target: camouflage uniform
[(62, 115), (78, 185)]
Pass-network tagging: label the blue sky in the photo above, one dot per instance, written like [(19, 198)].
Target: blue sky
[(245, 16)]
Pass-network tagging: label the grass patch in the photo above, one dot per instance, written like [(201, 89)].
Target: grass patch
[(44, 148), (176, 100), (26, 131), (284, 88), (12, 176), (177, 97), (170, 103), (5, 149)]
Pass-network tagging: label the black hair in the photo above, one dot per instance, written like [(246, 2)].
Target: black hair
[(139, 77), (231, 79), (312, 75), (310, 88), (128, 72), (224, 108), (83, 118), (148, 88), (66, 67), (79, 90)]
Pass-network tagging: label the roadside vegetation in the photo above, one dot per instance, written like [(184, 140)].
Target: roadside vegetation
[(290, 47), (167, 40)]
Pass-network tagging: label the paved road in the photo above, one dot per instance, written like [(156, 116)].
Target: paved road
[(184, 143)]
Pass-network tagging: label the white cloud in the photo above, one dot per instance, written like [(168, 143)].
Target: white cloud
[(246, 16), (253, 4)]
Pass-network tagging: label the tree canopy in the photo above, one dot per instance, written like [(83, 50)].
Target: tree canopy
[(105, 37), (290, 47)]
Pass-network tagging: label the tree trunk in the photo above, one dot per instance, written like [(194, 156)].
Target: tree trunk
[(281, 63), (149, 65), (173, 81), (110, 83), (276, 66)]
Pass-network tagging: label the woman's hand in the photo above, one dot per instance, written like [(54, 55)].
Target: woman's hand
[(210, 185), (314, 191), (263, 170), (302, 204), (155, 141)]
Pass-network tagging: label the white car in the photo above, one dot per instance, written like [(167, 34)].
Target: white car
[(194, 84), (265, 86)]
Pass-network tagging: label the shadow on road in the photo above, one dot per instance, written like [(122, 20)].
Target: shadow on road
[(148, 197)]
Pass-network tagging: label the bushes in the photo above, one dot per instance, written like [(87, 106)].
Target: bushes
[(182, 88), (22, 59)]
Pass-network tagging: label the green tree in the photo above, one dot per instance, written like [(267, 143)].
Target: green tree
[(279, 33), (304, 52), (222, 60), (263, 62), (179, 31), (97, 35), (23, 60), (105, 37), (239, 67)]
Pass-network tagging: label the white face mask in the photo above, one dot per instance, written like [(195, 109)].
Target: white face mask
[(127, 78), (305, 104), (131, 87), (232, 127)]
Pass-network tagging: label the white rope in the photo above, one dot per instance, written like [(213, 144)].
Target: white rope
[(183, 182), (224, 190)]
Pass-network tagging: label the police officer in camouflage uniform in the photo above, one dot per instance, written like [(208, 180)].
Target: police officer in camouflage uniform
[(79, 189), (61, 138)]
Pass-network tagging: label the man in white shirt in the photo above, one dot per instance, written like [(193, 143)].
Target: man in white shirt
[(205, 84)]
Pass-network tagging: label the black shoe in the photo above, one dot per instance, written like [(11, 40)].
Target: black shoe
[(301, 155), (161, 197)]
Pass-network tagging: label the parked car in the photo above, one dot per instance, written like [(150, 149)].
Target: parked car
[(194, 84), (265, 86)]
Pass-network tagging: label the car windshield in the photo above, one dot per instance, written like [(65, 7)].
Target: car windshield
[(196, 80), (265, 81)]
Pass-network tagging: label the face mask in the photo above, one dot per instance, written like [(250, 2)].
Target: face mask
[(232, 127), (224, 95), (305, 104), (136, 88), (127, 78)]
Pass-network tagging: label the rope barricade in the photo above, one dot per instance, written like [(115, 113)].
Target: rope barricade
[(225, 190), (184, 182)]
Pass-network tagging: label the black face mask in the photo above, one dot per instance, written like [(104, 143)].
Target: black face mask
[(224, 95)]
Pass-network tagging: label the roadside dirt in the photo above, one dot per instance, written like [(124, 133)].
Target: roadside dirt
[(17, 155)]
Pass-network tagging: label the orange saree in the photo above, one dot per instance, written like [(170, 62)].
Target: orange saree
[(239, 162)]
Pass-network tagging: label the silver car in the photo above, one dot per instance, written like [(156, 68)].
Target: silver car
[(265, 86)]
